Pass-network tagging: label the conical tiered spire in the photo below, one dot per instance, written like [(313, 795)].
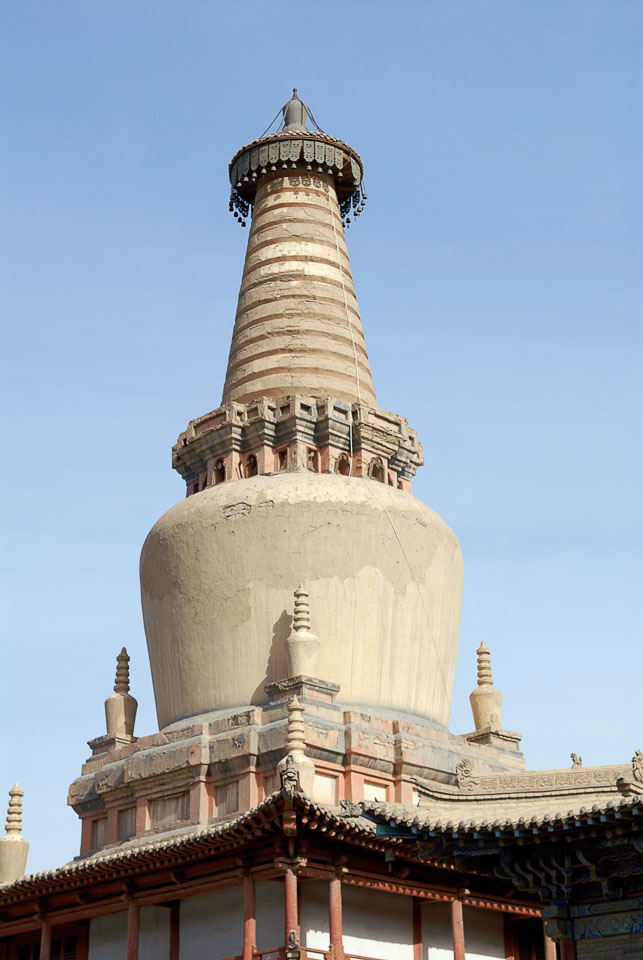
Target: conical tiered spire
[(297, 328)]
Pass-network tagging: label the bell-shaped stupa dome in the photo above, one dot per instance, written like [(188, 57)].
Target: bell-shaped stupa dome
[(299, 477)]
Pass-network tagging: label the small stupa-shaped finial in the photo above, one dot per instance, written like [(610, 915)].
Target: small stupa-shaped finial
[(122, 672), (303, 645), (13, 846), (486, 701), (120, 708), (296, 763)]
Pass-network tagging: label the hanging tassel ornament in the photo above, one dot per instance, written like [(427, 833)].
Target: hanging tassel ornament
[(239, 208)]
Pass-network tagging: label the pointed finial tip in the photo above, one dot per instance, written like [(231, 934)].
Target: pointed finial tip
[(483, 647), (294, 93)]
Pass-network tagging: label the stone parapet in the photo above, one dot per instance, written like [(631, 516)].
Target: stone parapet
[(211, 766)]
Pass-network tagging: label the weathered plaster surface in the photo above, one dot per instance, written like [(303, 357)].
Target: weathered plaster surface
[(154, 933), (269, 895), (484, 934), (383, 570), (209, 920), (108, 936), (377, 924)]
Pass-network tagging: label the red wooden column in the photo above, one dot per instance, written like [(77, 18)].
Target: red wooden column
[(417, 929), (249, 919), (133, 921), (45, 939), (568, 950), (550, 946), (175, 929), (457, 929), (292, 914), (83, 942), (335, 919), (510, 947)]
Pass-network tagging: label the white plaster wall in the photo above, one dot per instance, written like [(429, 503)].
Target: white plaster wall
[(437, 940), (377, 924), (211, 925), (484, 937), (154, 933), (313, 914), (271, 920), (108, 937), (483, 933)]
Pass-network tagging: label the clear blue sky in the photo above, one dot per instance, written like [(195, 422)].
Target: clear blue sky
[(498, 270)]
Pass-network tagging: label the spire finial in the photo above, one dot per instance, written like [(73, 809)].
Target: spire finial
[(122, 672), (295, 114), (14, 813), (13, 846), (484, 666), (303, 645)]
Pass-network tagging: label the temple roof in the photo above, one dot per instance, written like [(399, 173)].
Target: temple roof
[(367, 823)]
